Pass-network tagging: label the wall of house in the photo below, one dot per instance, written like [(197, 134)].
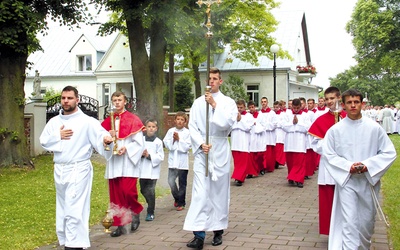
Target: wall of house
[(85, 85), (81, 48), (286, 85)]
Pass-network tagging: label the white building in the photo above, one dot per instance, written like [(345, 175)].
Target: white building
[(98, 66)]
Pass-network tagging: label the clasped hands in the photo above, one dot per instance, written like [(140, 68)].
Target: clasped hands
[(358, 168)]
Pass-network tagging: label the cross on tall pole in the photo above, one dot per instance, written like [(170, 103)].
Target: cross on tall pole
[(209, 35)]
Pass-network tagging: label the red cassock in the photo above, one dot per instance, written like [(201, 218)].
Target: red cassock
[(280, 155), (296, 166), (326, 192), (269, 156), (241, 161)]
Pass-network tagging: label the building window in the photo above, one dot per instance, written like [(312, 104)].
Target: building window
[(85, 63), (253, 93), (106, 91)]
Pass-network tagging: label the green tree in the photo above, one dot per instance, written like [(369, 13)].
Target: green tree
[(155, 27), (234, 88), (245, 25), (183, 94), (20, 21), (375, 28), (148, 25)]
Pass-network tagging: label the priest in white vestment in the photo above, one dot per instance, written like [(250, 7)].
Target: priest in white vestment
[(209, 207), (359, 153)]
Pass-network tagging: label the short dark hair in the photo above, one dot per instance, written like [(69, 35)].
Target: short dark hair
[(119, 93), (331, 90), (296, 102), (182, 114), (215, 70), (241, 102), (70, 88), (251, 102), (352, 92), (277, 103), (151, 120), (311, 99), (264, 98)]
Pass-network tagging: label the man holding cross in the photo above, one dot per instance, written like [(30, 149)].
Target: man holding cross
[(209, 207)]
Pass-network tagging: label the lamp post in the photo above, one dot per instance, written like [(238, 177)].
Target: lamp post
[(274, 49)]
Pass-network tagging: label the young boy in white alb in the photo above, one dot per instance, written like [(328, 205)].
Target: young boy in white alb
[(150, 163), (177, 141)]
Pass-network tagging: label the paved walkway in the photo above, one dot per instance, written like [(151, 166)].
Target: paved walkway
[(265, 213)]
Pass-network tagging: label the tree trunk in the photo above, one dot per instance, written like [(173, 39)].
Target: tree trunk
[(171, 80), (197, 82), (13, 142), (147, 69)]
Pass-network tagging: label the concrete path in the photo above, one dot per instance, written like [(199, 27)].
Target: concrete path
[(265, 213)]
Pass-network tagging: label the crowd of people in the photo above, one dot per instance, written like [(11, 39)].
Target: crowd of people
[(388, 116), (306, 137)]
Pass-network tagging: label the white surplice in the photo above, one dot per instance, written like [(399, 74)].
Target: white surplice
[(209, 208), (73, 173), (178, 156), (353, 215), (126, 165), (270, 127), (240, 135), (296, 139), (150, 169)]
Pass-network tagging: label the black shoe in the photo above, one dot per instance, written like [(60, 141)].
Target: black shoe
[(73, 248), (239, 183), (196, 243), (299, 184), (276, 165), (262, 172), (291, 182), (118, 232), (249, 176), (306, 177), (217, 240), (135, 222)]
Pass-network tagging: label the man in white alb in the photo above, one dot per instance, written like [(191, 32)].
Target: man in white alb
[(209, 207), (359, 153), (71, 136)]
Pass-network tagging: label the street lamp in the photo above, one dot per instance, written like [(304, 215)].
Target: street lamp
[(274, 49)]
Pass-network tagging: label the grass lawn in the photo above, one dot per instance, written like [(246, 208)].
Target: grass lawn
[(27, 204), (391, 201)]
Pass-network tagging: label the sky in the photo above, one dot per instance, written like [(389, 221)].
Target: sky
[(331, 48)]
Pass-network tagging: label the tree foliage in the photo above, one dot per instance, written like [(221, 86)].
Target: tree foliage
[(375, 28), (234, 88), (183, 94), (154, 27), (20, 21), (245, 25)]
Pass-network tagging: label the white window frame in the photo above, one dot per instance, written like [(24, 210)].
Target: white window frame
[(82, 63), (253, 94)]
